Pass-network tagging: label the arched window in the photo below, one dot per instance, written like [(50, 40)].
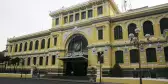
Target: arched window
[(34, 60), (118, 32), (41, 61), (163, 24), (20, 49), (28, 61), (119, 57), (134, 56), (47, 60), (48, 46), (148, 28), (25, 46), (31, 45), (131, 29), (16, 47), (43, 44), (151, 55), (53, 59), (36, 44), (166, 53)]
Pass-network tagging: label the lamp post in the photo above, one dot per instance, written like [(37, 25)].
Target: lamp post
[(100, 55), (134, 39), (22, 60)]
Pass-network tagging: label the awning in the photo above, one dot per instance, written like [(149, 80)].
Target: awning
[(73, 58)]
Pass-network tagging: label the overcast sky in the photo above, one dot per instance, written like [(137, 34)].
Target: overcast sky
[(20, 17)]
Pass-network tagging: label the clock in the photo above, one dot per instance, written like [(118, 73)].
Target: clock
[(77, 46)]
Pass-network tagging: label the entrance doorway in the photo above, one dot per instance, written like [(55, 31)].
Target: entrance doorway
[(76, 59), (77, 68)]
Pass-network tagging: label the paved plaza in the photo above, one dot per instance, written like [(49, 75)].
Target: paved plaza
[(39, 81), (42, 81)]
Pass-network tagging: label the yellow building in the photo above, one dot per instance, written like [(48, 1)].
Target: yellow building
[(78, 33)]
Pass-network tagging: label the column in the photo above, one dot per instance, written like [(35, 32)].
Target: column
[(53, 22), (125, 31), (39, 46), (156, 28), (107, 31)]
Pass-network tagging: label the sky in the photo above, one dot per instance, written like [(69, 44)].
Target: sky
[(21, 17)]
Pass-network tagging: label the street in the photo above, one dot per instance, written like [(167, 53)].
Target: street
[(38, 81)]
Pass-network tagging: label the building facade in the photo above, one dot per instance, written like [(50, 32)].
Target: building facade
[(80, 32)]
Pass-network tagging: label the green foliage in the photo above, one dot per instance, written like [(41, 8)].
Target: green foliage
[(1, 57), (116, 71), (15, 61)]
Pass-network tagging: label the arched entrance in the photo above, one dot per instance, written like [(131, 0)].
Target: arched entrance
[(75, 61)]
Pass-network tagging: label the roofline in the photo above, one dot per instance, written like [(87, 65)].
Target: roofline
[(141, 12), (36, 34), (77, 6), (119, 17)]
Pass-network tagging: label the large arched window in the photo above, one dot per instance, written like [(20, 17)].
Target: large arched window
[(163, 24), (118, 32), (47, 60), (25, 46), (31, 45), (148, 28), (20, 48), (134, 56), (34, 60), (28, 61), (43, 44), (131, 29), (41, 61), (166, 53), (16, 47), (48, 46), (119, 57), (151, 55), (36, 44)]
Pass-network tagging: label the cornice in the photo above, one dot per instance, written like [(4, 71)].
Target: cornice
[(33, 35), (81, 23), (120, 17), (129, 44), (163, 8), (99, 45), (75, 7)]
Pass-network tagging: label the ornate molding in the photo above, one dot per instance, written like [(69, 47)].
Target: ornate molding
[(76, 7), (86, 31), (28, 36)]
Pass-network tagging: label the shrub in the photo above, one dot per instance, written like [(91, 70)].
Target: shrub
[(116, 71)]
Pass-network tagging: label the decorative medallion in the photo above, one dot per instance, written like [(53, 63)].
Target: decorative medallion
[(106, 49), (77, 46), (94, 50)]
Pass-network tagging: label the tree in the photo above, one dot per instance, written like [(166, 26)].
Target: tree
[(1, 60), (15, 62), (1, 57), (6, 60), (116, 71)]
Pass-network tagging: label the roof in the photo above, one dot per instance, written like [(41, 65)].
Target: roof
[(80, 5), (119, 17)]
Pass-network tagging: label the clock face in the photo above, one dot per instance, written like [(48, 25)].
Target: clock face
[(77, 46)]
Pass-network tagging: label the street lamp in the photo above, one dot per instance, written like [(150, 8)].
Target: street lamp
[(134, 39), (100, 55), (22, 62)]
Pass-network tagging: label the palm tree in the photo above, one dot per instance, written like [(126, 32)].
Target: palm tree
[(1, 60), (15, 62), (6, 60)]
